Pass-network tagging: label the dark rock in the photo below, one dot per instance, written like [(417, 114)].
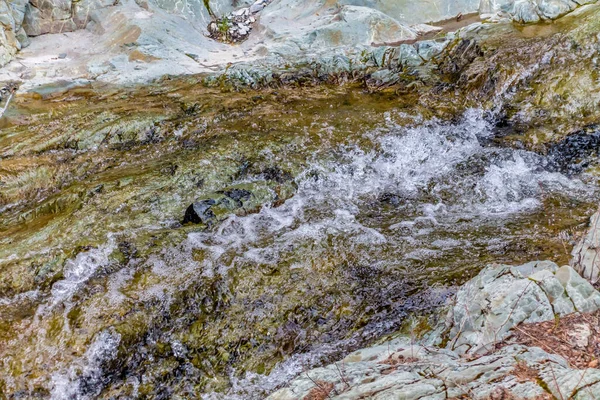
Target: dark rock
[(391, 198), (276, 174), (237, 194), (200, 212), (575, 152)]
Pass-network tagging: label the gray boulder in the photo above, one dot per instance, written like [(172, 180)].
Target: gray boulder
[(12, 37), (501, 297), (586, 255)]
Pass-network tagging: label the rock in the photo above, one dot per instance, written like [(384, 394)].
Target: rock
[(583, 295), (59, 16), (12, 37), (529, 11), (552, 9), (256, 7), (363, 25), (200, 212), (579, 336), (500, 296), (430, 49), (586, 255), (525, 11), (83, 10), (241, 12), (236, 200)]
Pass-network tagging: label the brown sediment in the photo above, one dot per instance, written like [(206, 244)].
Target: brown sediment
[(456, 23)]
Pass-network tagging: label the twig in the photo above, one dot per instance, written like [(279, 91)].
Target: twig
[(578, 383), (342, 376), (556, 383), (511, 311)]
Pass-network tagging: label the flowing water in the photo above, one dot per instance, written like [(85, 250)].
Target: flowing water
[(377, 226)]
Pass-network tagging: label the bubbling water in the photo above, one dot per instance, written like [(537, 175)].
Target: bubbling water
[(415, 197)]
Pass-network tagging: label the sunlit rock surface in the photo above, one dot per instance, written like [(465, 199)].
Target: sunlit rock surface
[(137, 41)]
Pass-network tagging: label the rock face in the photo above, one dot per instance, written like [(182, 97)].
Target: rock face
[(461, 357), (59, 16), (501, 297), (527, 11), (172, 31), (586, 259), (12, 35)]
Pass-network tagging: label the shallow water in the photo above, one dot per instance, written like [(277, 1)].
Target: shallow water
[(389, 212)]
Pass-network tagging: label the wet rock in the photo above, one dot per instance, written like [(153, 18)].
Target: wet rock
[(576, 151), (238, 195), (459, 56), (199, 212), (236, 200), (392, 199)]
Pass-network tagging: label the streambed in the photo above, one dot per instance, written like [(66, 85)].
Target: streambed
[(367, 208)]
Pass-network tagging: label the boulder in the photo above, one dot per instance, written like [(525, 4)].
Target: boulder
[(552, 9), (239, 199), (525, 11), (586, 254), (501, 297), (12, 37)]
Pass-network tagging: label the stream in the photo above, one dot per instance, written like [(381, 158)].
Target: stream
[(359, 225)]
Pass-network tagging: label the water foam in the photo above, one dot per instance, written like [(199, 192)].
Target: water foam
[(429, 168)]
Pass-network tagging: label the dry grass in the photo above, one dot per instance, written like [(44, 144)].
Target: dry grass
[(561, 337), (320, 392), (525, 373), (397, 359)]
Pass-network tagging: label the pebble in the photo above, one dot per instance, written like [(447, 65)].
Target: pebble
[(239, 23)]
